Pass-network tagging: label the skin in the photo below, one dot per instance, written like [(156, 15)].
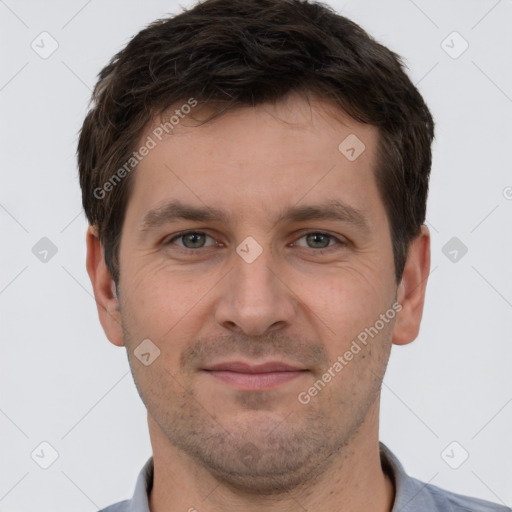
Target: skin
[(217, 448)]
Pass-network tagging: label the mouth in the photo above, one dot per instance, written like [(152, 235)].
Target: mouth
[(250, 377)]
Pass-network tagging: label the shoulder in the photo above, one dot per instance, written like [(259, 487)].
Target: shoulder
[(452, 502), (121, 506), (413, 495)]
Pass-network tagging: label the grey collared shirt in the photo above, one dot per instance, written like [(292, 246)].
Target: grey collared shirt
[(411, 495)]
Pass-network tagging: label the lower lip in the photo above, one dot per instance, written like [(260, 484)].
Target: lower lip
[(251, 381)]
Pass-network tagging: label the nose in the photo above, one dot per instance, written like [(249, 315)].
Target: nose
[(255, 297)]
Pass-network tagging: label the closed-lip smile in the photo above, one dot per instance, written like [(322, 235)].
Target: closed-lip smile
[(254, 377)]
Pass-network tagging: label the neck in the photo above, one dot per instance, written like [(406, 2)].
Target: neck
[(353, 480)]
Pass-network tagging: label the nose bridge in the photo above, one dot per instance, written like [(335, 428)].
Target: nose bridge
[(254, 298), (253, 270)]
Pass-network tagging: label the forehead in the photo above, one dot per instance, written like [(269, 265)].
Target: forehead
[(253, 158)]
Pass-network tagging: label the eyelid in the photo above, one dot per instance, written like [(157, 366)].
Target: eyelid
[(177, 236), (338, 238)]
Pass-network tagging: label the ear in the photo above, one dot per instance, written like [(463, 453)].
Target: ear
[(104, 289), (411, 291)]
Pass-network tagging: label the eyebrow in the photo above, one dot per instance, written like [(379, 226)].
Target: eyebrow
[(330, 210)]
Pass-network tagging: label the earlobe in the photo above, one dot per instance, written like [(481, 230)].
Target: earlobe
[(411, 290), (104, 289)]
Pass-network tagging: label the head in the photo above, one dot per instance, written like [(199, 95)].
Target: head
[(242, 122)]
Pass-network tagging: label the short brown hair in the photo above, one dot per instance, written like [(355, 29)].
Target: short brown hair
[(246, 52)]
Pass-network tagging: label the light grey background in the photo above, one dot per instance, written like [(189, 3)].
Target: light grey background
[(64, 383)]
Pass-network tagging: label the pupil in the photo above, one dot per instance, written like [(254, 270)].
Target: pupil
[(319, 235), (193, 236)]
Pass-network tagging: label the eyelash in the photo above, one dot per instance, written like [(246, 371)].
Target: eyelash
[(187, 250)]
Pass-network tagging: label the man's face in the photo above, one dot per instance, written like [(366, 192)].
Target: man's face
[(257, 287)]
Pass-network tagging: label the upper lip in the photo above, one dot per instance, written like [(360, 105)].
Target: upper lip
[(241, 367)]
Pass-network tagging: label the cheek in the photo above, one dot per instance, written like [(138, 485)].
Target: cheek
[(347, 298), (161, 304)]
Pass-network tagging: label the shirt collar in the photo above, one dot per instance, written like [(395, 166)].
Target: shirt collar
[(410, 493), (143, 486)]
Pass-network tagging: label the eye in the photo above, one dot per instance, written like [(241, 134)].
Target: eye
[(191, 240), (320, 240)]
